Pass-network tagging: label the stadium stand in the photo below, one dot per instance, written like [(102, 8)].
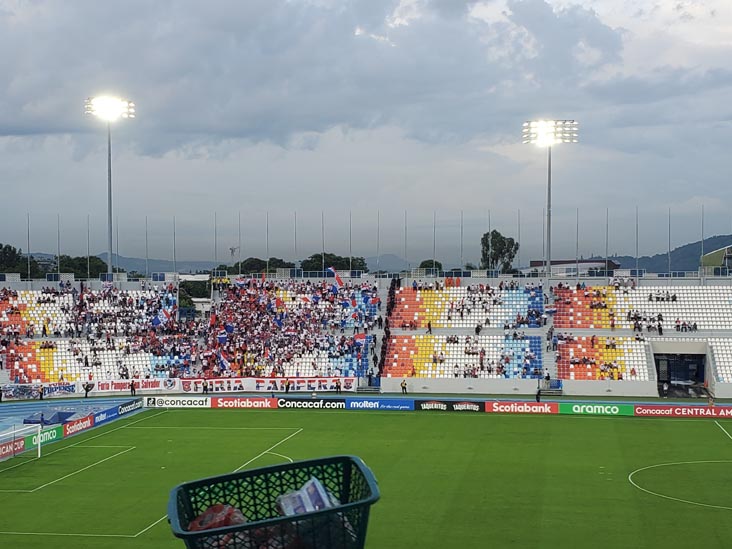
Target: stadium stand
[(602, 358), (722, 353), (468, 306), (607, 307), (483, 356)]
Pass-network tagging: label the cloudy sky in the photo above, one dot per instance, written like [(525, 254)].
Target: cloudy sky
[(338, 106)]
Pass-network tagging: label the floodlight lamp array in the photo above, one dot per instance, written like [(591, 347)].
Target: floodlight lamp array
[(546, 133), (109, 108)]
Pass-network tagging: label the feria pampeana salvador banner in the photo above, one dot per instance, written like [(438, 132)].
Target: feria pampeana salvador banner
[(269, 385), (166, 386)]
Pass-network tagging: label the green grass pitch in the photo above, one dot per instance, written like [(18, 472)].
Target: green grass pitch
[(447, 480)]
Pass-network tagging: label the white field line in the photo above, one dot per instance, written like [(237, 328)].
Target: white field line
[(723, 429), (218, 428), (671, 498), (84, 469), (267, 451), (80, 535), (255, 458), (288, 458), (82, 442), (104, 446), (161, 519), (128, 448)]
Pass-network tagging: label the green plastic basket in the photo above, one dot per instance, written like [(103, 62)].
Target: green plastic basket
[(255, 492)]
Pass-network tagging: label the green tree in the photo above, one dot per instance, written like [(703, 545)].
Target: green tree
[(256, 265), (78, 266), (339, 263), (196, 288), (12, 260), (429, 264), (497, 251)]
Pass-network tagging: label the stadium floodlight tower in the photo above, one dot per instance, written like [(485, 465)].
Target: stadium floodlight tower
[(547, 133), (109, 109)]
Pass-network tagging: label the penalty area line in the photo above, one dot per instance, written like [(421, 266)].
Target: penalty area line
[(65, 534), (723, 429), (83, 469), (267, 451)]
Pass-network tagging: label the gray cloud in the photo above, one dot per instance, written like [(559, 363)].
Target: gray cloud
[(321, 105)]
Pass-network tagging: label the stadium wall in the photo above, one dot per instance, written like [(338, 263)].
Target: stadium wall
[(461, 386), (610, 388), (519, 387)]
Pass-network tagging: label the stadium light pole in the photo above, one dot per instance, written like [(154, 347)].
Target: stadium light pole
[(547, 133), (109, 109)]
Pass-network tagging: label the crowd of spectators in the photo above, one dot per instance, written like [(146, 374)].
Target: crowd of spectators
[(259, 327)]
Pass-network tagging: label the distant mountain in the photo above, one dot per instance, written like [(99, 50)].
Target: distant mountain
[(158, 265), (683, 258)]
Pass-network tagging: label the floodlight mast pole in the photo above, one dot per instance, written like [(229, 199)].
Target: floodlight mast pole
[(109, 198), (109, 109), (546, 133), (548, 258)]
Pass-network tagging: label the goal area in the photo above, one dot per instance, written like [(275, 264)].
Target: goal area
[(21, 439)]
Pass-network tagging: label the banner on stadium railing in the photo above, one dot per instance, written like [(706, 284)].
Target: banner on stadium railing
[(177, 402), (449, 405), (51, 390), (21, 392), (596, 409), (158, 385), (507, 407), (31, 391), (390, 404), (269, 384), (669, 410)]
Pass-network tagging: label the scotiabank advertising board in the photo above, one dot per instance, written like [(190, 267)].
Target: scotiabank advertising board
[(449, 406), (501, 407), (244, 403), (666, 410), (78, 425)]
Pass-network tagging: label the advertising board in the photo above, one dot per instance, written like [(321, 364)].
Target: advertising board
[(595, 409), (178, 402), (390, 404), (669, 410), (508, 407), (244, 403), (78, 425), (449, 405), (311, 403)]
